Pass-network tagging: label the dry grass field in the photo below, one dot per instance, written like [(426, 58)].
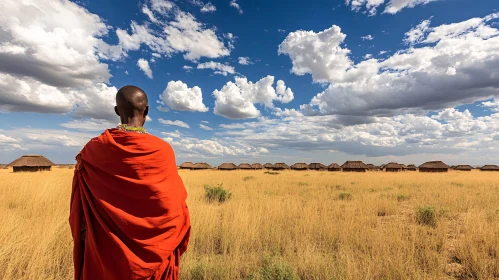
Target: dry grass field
[(292, 225)]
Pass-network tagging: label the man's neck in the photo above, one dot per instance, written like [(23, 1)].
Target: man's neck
[(133, 121)]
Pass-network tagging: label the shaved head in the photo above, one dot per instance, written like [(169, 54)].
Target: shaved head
[(131, 105)]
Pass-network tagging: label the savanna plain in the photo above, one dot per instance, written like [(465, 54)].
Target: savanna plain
[(285, 225)]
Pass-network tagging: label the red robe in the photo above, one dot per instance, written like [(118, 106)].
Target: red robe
[(129, 218)]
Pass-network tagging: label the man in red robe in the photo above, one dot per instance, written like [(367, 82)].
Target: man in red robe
[(129, 217)]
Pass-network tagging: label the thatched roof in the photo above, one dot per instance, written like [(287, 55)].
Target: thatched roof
[(268, 165), (202, 165), (280, 165), (299, 166), (434, 165), (463, 167), (412, 166), (334, 166), (187, 164), (490, 167), (316, 166), (244, 166), (227, 166), (394, 165), (351, 164), (31, 161), (256, 166)]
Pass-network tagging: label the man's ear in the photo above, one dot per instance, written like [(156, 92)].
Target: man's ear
[(116, 110), (146, 111)]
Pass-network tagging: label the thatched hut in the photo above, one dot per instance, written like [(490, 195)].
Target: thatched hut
[(268, 166), (354, 166), (280, 166), (256, 166), (412, 167), (317, 166), (4, 166), (490, 168), (31, 163), (244, 166), (393, 167), (463, 168), (187, 165), (434, 166), (201, 166), (300, 166), (227, 166), (372, 167), (334, 167)]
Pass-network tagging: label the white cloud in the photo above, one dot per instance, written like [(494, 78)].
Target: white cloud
[(183, 34), (178, 96), (162, 6), (144, 66), (391, 6), (190, 147), (208, 8), (205, 127), (367, 37), (89, 125), (237, 100), (175, 123), (235, 5), (172, 134), (382, 52), (187, 68), (416, 34), (206, 122), (244, 60), (219, 68), (368, 56), (281, 30), (453, 64), (493, 105)]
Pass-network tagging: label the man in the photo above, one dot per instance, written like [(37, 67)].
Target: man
[(128, 217)]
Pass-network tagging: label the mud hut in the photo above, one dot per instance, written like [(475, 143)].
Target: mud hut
[(412, 167), (463, 168), (300, 166), (244, 166), (31, 163), (201, 166), (317, 166), (354, 166), (256, 166), (227, 166), (490, 168), (434, 166), (268, 166), (187, 165), (393, 167), (334, 167), (280, 166)]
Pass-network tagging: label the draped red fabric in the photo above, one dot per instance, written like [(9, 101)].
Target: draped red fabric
[(129, 218)]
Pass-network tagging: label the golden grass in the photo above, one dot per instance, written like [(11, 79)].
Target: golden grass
[(308, 225)]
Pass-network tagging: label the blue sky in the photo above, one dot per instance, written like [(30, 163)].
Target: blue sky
[(257, 81)]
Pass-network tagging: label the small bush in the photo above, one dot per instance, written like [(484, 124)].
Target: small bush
[(302, 184), (427, 215), (402, 197), (345, 196), (247, 178), (216, 194), (272, 173), (273, 268), (198, 272)]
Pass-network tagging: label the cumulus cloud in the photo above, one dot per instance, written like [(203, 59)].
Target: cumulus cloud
[(205, 127), (391, 6), (219, 68), (244, 60), (236, 100), (236, 6), (184, 34), (448, 65), (190, 147), (89, 125), (174, 123), (144, 66), (187, 68), (208, 8), (178, 96)]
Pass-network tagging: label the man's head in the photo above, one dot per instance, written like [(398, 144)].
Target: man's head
[(131, 105)]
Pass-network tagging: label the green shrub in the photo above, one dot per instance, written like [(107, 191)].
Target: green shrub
[(345, 196), (402, 197), (247, 178), (273, 268), (427, 215), (271, 173), (198, 272), (216, 194)]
